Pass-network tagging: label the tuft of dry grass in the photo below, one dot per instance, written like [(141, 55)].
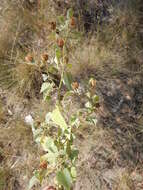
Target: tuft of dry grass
[(29, 79)]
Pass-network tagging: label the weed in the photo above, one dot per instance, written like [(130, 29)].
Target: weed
[(56, 133)]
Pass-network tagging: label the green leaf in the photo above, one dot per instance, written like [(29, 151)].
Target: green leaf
[(95, 99), (74, 121), (70, 13), (64, 178), (68, 148), (45, 77), (73, 172), (48, 117), (50, 157), (44, 87), (40, 174), (37, 133), (48, 144), (58, 119), (92, 120), (88, 105), (74, 154), (47, 97), (33, 181), (68, 80), (69, 66), (52, 70), (61, 19), (58, 54), (88, 94)]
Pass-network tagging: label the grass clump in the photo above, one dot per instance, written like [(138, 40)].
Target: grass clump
[(29, 80)]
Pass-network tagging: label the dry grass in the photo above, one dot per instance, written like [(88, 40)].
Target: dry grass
[(21, 35), (18, 156), (29, 80), (116, 44), (111, 47)]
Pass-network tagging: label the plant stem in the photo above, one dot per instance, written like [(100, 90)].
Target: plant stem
[(60, 86)]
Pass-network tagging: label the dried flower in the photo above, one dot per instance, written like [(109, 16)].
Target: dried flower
[(52, 25), (29, 58), (92, 82), (45, 57), (43, 165), (73, 22), (75, 85), (60, 42)]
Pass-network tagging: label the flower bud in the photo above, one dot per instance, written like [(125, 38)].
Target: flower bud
[(72, 22), (75, 85), (43, 165), (92, 82), (60, 43), (29, 58), (45, 57)]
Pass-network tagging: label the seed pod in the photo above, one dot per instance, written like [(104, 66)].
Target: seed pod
[(29, 58), (43, 165), (60, 42), (75, 85), (45, 57), (92, 82)]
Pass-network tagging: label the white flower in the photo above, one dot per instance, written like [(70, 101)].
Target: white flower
[(29, 120)]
